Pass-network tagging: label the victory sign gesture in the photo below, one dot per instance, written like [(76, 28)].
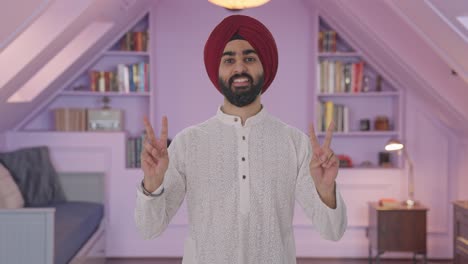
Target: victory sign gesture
[(154, 156), (324, 166)]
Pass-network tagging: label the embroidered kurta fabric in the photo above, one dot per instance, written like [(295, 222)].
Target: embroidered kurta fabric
[(240, 183)]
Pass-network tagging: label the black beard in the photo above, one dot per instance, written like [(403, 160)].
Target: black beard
[(242, 98)]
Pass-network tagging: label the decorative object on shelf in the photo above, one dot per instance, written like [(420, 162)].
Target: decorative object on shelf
[(381, 123), (105, 119), (80, 88), (384, 160), (364, 124), (236, 5), (378, 84), (365, 85), (345, 161), (366, 164), (397, 145), (105, 102)]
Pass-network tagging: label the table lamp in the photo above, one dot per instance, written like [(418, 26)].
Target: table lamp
[(396, 145)]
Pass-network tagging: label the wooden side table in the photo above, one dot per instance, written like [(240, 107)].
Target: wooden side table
[(460, 232), (397, 228)]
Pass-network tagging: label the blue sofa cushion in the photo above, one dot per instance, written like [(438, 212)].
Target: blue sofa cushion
[(75, 223)]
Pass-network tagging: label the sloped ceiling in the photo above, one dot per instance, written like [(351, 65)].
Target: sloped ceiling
[(395, 44), (436, 21), (119, 13), (19, 18)]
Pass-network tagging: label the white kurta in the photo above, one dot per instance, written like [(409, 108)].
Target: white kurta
[(241, 183)]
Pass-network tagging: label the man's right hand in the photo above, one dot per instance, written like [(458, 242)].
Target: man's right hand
[(154, 156)]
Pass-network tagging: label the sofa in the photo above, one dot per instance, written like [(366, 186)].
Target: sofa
[(37, 222)]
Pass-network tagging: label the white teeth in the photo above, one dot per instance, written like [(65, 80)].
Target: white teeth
[(241, 80)]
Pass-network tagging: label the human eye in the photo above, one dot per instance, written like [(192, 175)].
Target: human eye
[(250, 59), (228, 61)]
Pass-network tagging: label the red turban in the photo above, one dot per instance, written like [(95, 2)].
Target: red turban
[(252, 31)]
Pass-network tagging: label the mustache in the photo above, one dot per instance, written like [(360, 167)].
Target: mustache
[(231, 80)]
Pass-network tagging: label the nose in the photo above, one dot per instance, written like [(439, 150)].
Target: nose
[(240, 67)]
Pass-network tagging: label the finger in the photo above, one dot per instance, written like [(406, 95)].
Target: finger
[(333, 163), (329, 155), (313, 138), (161, 148), (149, 130), (150, 150), (328, 136), (317, 159), (164, 131), (316, 163), (330, 160), (147, 159)]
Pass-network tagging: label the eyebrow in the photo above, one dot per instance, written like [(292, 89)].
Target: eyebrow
[(244, 52)]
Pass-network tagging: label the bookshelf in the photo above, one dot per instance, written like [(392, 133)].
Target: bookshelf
[(365, 107), (120, 74)]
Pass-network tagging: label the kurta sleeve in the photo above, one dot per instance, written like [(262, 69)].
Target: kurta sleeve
[(153, 214), (331, 223)]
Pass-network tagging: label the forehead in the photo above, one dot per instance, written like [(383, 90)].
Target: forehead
[(238, 45)]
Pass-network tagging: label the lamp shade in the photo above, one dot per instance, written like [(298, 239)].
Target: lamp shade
[(238, 4), (393, 145)]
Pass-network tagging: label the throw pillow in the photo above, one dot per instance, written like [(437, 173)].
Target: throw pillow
[(37, 178), (10, 195)]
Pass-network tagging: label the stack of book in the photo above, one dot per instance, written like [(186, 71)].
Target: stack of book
[(327, 41), (134, 41), (389, 203), (328, 111), (126, 79), (340, 77), (70, 119), (134, 147)]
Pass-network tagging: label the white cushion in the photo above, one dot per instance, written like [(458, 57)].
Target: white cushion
[(10, 195)]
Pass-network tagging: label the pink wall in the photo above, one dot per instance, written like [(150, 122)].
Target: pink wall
[(184, 92)]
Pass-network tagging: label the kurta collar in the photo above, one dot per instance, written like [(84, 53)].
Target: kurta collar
[(236, 120)]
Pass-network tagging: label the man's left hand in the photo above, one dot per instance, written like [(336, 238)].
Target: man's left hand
[(324, 166)]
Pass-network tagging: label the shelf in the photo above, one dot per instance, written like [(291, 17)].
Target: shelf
[(360, 134), (125, 53), (74, 133), (371, 168), (136, 171), (338, 54), (88, 93), (360, 94)]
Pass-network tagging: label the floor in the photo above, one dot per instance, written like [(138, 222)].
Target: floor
[(299, 261)]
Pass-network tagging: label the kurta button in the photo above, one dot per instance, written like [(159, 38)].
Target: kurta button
[(235, 119), (243, 159), (243, 176), (243, 137)]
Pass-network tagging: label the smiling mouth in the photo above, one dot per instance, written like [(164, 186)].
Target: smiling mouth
[(241, 82)]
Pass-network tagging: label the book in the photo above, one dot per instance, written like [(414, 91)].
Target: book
[(389, 202)]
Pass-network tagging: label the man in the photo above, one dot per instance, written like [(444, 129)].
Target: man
[(243, 169)]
